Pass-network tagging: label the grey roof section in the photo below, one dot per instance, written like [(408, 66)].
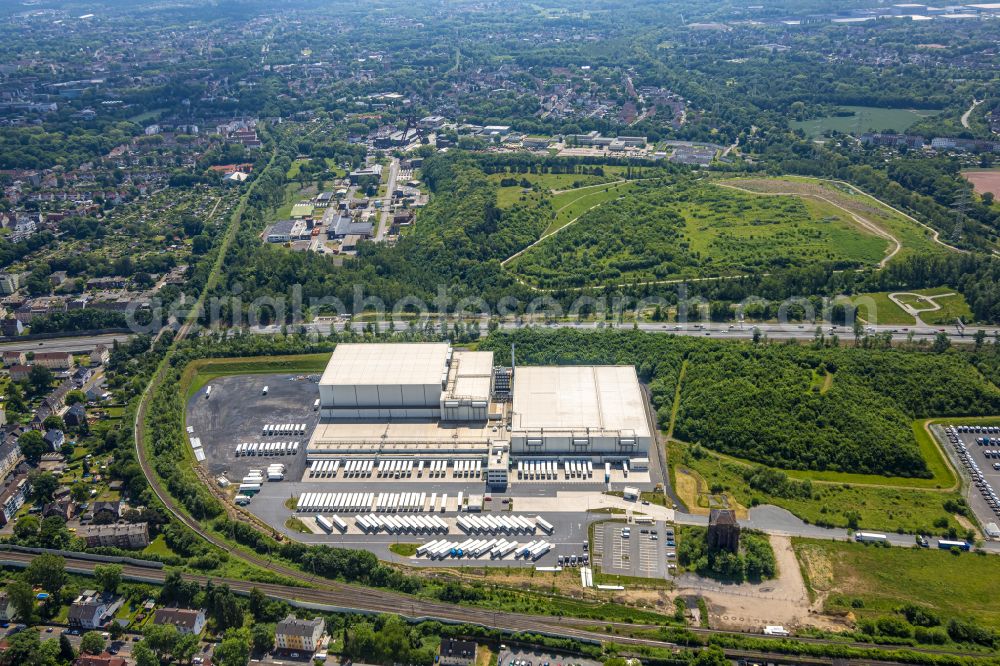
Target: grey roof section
[(293, 626), (346, 226)]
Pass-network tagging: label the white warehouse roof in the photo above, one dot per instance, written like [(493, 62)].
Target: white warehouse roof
[(386, 364), (604, 397)]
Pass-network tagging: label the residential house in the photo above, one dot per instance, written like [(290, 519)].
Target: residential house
[(10, 456), (13, 496), (75, 416), (104, 659), (64, 508), (100, 355), (456, 653), (82, 375), (95, 393), (186, 620), (295, 634), (129, 536), (55, 438), (7, 610), (11, 327), (107, 511), (10, 282), (88, 610), (14, 358), (19, 373), (54, 360)]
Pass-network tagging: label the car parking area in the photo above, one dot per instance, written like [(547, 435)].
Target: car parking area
[(633, 550), (976, 448)]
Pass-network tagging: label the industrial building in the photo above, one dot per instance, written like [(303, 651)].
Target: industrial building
[(432, 402)]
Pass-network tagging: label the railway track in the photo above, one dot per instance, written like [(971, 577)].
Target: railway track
[(339, 597)]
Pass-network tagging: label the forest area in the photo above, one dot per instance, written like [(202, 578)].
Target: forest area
[(787, 406)]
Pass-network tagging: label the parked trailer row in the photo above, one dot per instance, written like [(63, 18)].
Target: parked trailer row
[(267, 449), (488, 524), (354, 469), (472, 548), (315, 502), (332, 523), (548, 470), (323, 469), (278, 429), (437, 468), (424, 524), (395, 469), (533, 550), (393, 502), (468, 469)]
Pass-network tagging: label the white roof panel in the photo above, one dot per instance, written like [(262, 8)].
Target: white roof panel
[(386, 363), (578, 397)]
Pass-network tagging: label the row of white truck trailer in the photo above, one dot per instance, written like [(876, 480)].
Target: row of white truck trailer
[(382, 502), (548, 470), (481, 548), (395, 469), (267, 449), (488, 524), (278, 429)]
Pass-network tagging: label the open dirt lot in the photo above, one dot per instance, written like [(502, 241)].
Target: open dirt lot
[(751, 606), (984, 181)]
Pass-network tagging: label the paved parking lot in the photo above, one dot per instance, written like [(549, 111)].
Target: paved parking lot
[(237, 410), (974, 456), (643, 554)]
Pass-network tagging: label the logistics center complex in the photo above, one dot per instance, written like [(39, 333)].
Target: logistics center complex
[(394, 403)]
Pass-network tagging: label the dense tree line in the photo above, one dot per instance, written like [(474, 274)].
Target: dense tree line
[(783, 405)]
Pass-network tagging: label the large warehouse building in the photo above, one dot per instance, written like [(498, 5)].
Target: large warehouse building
[(581, 410), (430, 400)]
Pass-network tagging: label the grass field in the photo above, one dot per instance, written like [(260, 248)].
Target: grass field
[(198, 373), (508, 196), (681, 228), (878, 308), (571, 205), (863, 119), (884, 578), (913, 238), (820, 232)]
